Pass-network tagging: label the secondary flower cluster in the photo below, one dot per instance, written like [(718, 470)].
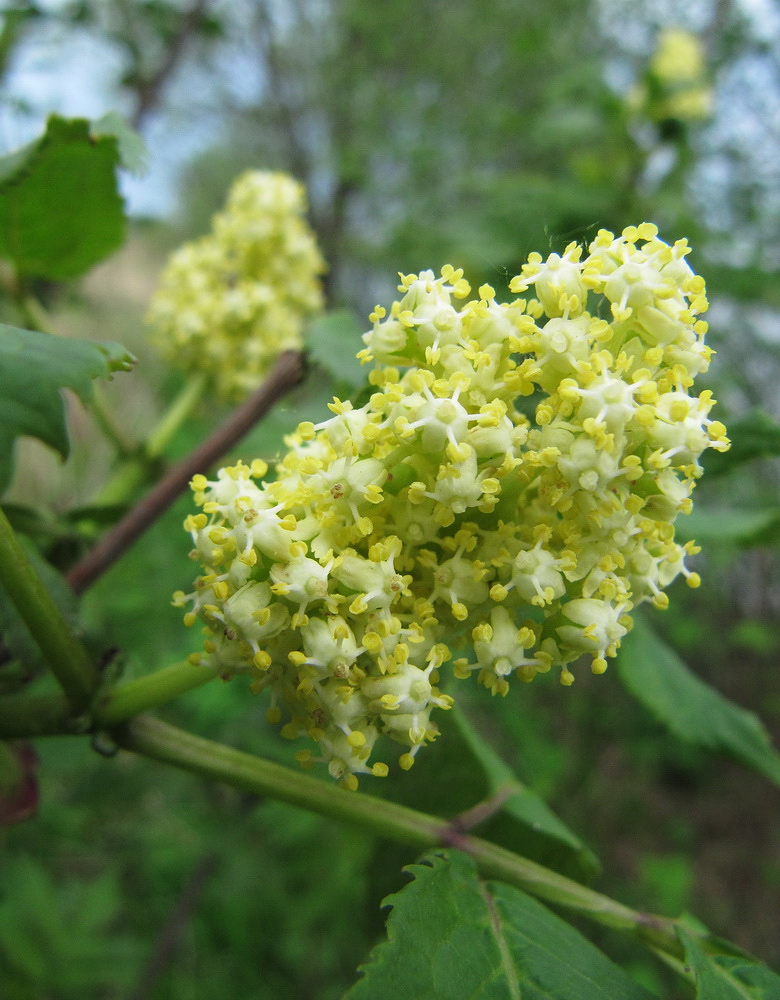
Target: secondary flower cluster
[(510, 488), (676, 84), (231, 301)]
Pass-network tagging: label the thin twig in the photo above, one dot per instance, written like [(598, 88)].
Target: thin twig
[(172, 933), (482, 811), (286, 374), (148, 90)]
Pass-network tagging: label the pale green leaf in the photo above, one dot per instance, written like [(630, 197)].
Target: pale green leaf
[(451, 936), (133, 153), (691, 709)]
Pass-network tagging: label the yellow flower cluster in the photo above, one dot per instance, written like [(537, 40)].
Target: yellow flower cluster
[(677, 86), (230, 302), (510, 487)]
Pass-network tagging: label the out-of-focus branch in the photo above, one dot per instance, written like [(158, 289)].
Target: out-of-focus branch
[(149, 90), (286, 374), (173, 931)]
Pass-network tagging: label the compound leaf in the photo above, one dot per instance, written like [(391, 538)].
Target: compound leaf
[(452, 936)]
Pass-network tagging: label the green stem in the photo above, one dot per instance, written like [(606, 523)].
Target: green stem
[(132, 473), (63, 651), (156, 739), (33, 314), (111, 432), (25, 716), (126, 700), (30, 715), (174, 416), (139, 467)]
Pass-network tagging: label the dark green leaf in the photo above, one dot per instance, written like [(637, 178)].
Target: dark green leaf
[(33, 368), (452, 936), (102, 514), (524, 820), (62, 943), (461, 776), (10, 163), (29, 521), (60, 209), (691, 709), (333, 340), (756, 435)]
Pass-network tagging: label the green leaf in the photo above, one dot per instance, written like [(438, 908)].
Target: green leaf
[(712, 980), (60, 208), (461, 777), (29, 521), (56, 934), (451, 936), (524, 820), (738, 527), (756, 435), (691, 709), (33, 368), (333, 340), (763, 982)]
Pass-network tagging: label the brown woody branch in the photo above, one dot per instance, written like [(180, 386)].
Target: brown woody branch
[(286, 374)]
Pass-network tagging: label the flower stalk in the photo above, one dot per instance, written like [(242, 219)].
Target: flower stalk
[(25, 716), (150, 737), (139, 695)]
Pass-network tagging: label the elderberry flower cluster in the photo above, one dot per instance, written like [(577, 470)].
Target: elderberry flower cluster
[(230, 302), (509, 488), (675, 86)]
